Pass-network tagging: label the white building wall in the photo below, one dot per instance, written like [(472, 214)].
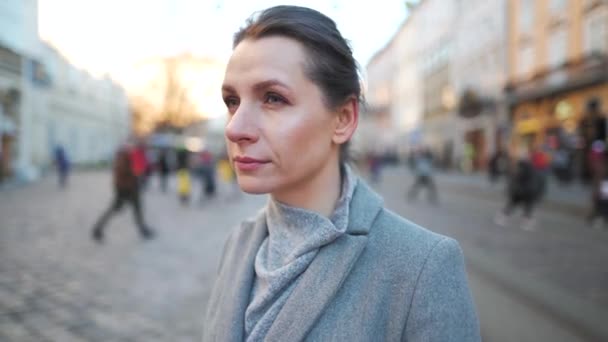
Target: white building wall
[(480, 64), (373, 134), (407, 94), (435, 21), (19, 25)]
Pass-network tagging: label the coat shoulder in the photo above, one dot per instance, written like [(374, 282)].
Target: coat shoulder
[(402, 234), (404, 247)]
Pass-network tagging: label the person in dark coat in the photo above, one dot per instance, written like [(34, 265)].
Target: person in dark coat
[(599, 192), (592, 128), (423, 172), (206, 171), (126, 189), (62, 164), (163, 170), (524, 189), (496, 166)]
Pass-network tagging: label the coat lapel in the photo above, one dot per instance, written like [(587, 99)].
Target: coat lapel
[(237, 278), (319, 284)]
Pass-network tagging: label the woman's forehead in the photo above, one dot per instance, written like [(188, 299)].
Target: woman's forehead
[(274, 55), (266, 61)]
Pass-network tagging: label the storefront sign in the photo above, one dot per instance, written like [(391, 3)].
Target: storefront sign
[(529, 125), (563, 110)]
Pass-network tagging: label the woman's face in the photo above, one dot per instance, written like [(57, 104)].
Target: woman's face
[(279, 132)]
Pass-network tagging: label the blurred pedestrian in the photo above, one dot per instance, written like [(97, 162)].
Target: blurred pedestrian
[(592, 127), (163, 169), (126, 189), (541, 161), (423, 175), (206, 171), (62, 164), (184, 185), (523, 190), (375, 166), (599, 184), (140, 164), (324, 260), (497, 165)]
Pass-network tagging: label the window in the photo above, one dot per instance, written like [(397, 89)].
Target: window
[(558, 48), (525, 60), (596, 32), (558, 8), (526, 16)]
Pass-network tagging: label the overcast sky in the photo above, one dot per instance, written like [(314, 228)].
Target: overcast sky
[(111, 35)]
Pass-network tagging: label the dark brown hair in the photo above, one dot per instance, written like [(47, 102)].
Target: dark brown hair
[(330, 63)]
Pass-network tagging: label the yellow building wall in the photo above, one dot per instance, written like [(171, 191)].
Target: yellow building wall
[(543, 26), (532, 119)]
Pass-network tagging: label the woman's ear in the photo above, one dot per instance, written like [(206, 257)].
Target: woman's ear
[(347, 119)]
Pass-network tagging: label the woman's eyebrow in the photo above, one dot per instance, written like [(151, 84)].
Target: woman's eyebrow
[(269, 83)]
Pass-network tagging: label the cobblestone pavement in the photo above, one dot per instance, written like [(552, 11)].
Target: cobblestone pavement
[(57, 285)]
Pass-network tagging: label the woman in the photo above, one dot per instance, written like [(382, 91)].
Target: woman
[(324, 260)]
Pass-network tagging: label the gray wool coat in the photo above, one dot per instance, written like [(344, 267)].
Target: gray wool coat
[(386, 279)]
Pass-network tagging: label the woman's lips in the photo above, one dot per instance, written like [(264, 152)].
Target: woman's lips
[(248, 163)]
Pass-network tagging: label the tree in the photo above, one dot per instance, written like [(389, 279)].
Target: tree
[(166, 98)]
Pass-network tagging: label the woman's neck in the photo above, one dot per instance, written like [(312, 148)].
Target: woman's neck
[(318, 194)]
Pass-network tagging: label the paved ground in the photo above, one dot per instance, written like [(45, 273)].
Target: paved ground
[(57, 285)]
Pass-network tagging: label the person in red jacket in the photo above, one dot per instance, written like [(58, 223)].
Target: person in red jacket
[(126, 189), (139, 163)]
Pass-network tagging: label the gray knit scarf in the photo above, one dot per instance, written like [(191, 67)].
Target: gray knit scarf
[(294, 238)]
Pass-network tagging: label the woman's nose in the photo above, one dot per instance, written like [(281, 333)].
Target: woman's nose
[(241, 126)]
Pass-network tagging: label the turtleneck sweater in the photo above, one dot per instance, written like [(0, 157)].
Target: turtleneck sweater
[(295, 236)]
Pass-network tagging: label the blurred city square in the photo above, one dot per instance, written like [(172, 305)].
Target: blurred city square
[(469, 103)]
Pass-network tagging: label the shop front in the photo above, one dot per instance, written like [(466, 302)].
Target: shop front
[(549, 115)]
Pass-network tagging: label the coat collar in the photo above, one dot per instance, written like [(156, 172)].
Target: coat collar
[(364, 207), (325, 274), (327, 271)]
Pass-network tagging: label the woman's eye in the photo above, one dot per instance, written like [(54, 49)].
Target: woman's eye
[(272, 98), (231, 102)]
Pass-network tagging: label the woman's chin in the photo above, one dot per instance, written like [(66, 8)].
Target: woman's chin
[(254, 186)]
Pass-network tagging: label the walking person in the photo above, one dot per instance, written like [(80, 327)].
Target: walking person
[(140, 164), (184, 185), (599, 184), (524, 189), (497, 165), (592, 127), (62, 164), (324, 260), (163, 169), (423, 173), (541, 161), (126, 190), (206, 170)]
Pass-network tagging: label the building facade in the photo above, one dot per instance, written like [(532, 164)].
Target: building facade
[(378, 131), (558, 58), (88, 116), (439, 57), (479, 74), (46, 101)]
